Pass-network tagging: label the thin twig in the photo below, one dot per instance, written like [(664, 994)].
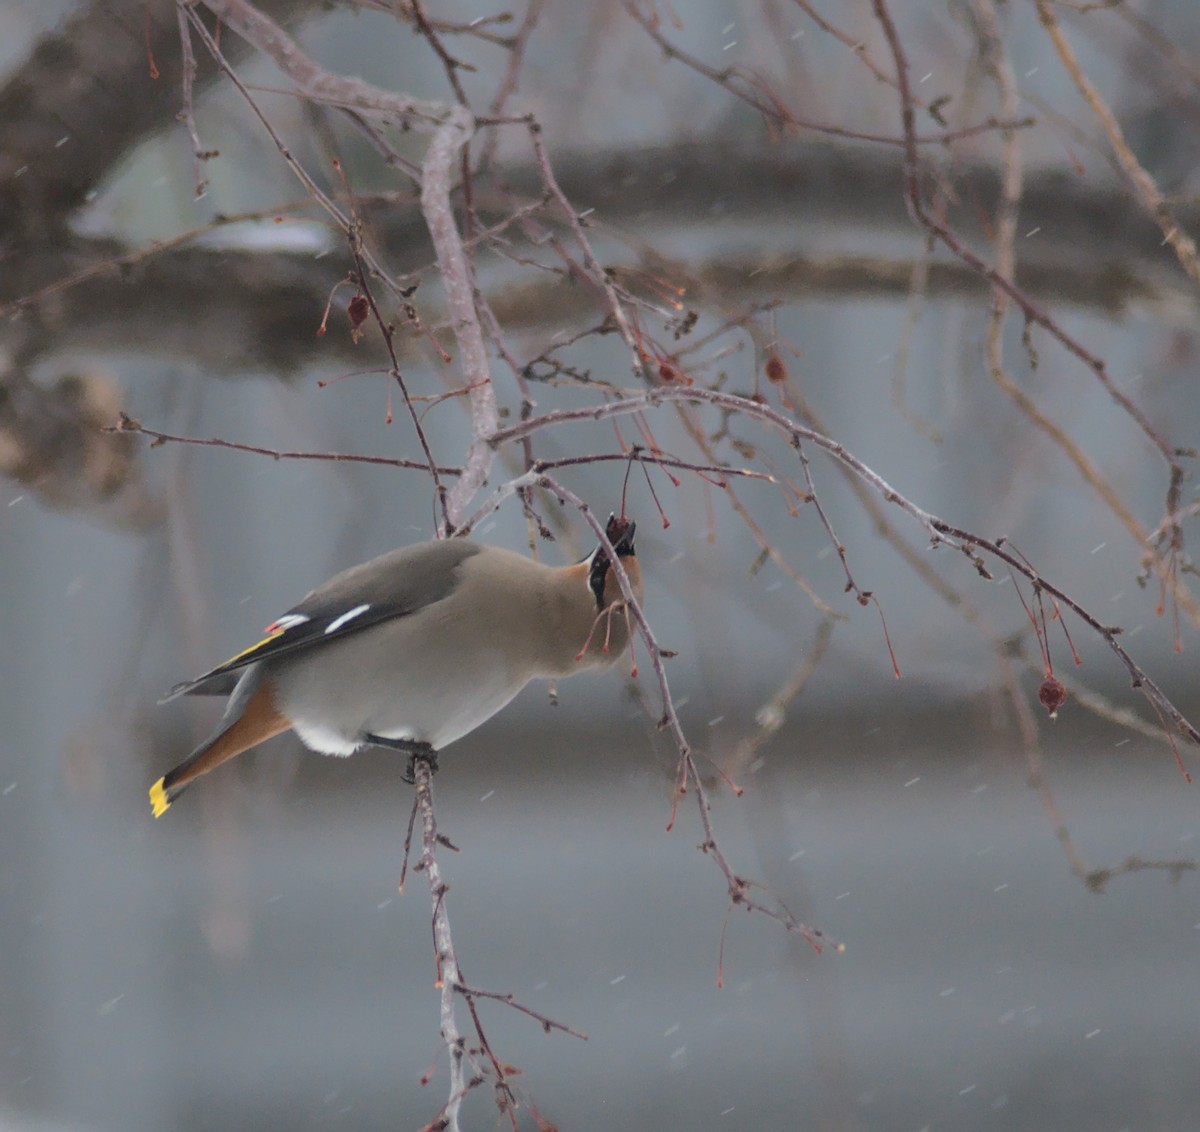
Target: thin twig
[(1033, 313), (657, 459), (313, 81), (450, 64), (772, 714), (126, 423), (545, 1022), (448, 975), (940, 531), (1143, 184), (753, 90), (739, 888), (853, 42), (322, 86), (599, 276), (200, 154), (507, 86)]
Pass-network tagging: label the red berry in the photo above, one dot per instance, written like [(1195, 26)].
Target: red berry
[(1052, 695)]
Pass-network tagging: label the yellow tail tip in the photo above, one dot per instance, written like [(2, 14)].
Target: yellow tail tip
[(159, 802)]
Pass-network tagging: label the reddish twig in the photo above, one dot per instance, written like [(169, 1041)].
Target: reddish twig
[(739, 887), (940, 531)]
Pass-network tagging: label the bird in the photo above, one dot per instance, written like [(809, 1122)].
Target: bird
[(412, 650)]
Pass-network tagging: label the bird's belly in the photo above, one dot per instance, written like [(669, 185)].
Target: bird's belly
[(440, 718), (340, 693)]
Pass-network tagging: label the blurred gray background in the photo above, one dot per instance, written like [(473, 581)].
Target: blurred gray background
[(247, 963)]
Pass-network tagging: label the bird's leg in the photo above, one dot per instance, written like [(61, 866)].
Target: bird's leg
[(414, 749), (422, 751)]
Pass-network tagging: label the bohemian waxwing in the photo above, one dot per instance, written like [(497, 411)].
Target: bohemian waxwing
[(412, 650)]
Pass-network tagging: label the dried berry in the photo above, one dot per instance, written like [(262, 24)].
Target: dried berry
[(1052, 695), (358, 309)]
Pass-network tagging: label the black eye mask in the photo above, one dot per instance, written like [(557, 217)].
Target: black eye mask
[(620, 533)]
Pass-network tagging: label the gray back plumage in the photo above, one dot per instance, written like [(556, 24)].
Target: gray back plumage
[(393, 585)]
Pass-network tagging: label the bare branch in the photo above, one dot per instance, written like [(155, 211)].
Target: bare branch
[(459, 283), (940, 532), (200, 153), (1143, 184), (126, 423), (739, 888), (448, 975), (1034, 314), (313, 81)]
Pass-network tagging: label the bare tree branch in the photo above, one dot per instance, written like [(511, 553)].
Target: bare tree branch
[(87, 93)]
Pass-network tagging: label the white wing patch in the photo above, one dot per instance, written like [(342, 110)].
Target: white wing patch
[(349, 615), (287, 621)]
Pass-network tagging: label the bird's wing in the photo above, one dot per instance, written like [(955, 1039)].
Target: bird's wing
[(387, 587), (216, 683), (298, 628)]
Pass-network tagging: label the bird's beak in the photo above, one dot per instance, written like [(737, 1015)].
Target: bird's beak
[(620, 533)]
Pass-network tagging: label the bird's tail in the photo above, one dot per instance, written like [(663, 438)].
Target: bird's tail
[(258, 720)]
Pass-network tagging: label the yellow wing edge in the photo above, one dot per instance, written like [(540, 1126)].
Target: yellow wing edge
[(253, 648)]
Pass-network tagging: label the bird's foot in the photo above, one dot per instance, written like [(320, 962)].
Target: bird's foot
[(411, 747), (429, 755)]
